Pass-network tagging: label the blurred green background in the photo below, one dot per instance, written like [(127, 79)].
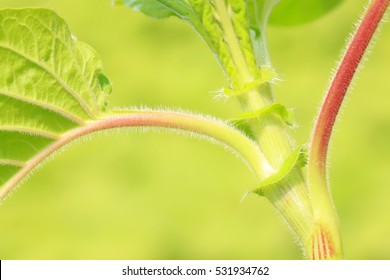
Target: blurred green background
[(164, 196)]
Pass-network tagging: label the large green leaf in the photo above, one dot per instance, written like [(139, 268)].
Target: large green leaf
[(49, 83), (292, 12)]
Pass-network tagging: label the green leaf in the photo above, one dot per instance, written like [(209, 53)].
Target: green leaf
[(164, 8), (273, 108), (243, 121), (153, 8), (200, 14), (196, 12), (50, 83), (225, 27), (292, 12), (297, 158), (258, 13)]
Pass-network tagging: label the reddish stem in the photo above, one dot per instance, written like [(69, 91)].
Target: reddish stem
[(200, 125), (342, 80)]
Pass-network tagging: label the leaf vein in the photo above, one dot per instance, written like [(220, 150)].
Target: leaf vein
[(76, 63), (56, 77), (12, 162), (31, 131), (46, 106)]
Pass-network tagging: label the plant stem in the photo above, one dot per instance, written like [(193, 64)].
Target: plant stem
[(324, 212), (200, 125), (290, 195)]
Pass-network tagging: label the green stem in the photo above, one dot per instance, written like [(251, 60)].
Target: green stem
[(289, 196), (200, 125)]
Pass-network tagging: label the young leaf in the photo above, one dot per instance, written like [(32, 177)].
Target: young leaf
[(199, 14), (292, 12), (151, 8), (258, 13), (163, 8), (296, 159), (49, 83), (230, 28)]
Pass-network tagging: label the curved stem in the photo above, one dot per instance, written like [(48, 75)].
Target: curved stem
[(200, 125), (324, 212), (342, 80)]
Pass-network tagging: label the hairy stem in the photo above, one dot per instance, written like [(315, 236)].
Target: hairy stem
[(324, 212), (289, 196), (203, 126), (342, 80)]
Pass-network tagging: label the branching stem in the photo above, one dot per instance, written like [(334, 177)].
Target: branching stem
[(203, 126)]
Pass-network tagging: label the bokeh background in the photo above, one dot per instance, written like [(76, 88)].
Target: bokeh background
[(164, 196)]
